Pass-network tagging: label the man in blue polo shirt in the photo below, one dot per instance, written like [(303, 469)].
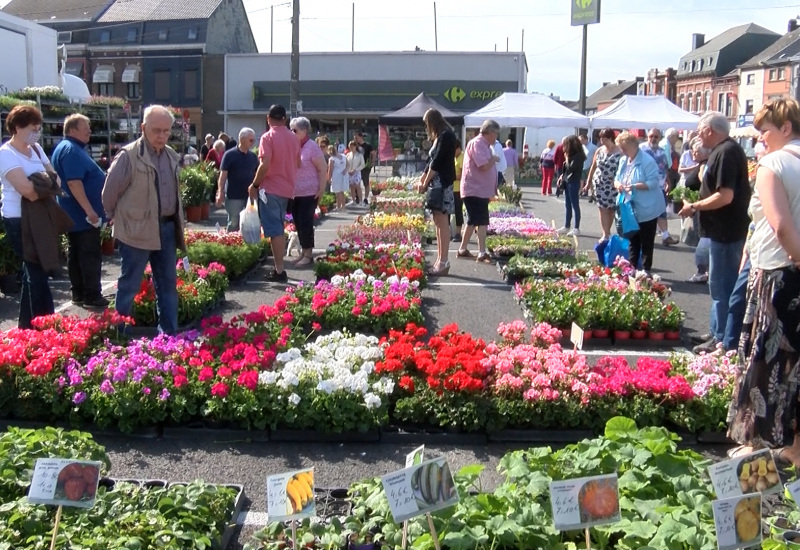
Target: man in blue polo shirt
[(82, 180), (237, 170)]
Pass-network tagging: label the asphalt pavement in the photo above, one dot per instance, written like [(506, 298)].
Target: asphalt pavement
[(474, 296)]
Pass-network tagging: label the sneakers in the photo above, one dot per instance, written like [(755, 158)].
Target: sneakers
[(698, 278), (669, 241), (275, 277), (562, 230), (366, 202), (709, 346), (574, 233)]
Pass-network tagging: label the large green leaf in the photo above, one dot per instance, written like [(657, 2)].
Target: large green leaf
[(619, 426)]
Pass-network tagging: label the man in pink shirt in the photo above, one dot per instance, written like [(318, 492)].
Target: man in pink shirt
[(478, 186), (273, 184)]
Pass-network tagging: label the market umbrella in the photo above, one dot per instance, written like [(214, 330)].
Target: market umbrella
[(411, 114)]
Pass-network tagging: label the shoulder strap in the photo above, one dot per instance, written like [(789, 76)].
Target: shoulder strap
[(35, 148), (794, 152)]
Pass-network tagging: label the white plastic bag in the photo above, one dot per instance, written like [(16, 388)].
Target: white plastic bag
[(250, 224)]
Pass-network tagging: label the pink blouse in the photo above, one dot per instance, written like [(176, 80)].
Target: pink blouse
[(474, 181), (307, 182)]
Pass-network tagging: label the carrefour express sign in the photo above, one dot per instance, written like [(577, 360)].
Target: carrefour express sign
[(585, 12)]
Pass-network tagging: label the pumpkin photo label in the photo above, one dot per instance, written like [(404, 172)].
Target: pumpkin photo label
[(64, 482), (737, 521), (584, 502), (752, 473), (291, 495), (420, 489)]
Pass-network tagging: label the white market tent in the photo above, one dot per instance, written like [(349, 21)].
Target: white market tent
[(639, 111), (526, 110)]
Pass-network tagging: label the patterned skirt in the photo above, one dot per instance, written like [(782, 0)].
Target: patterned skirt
[(763, 411)]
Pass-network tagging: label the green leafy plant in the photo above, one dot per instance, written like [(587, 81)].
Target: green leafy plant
[(684, 194), (194, 184), (510, 194)]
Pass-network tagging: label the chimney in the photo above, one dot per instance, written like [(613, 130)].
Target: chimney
[(792, 25), (606, 84), (698, 40)]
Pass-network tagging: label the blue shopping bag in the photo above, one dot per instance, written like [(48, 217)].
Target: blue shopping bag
[(625, 218), (617, 246)]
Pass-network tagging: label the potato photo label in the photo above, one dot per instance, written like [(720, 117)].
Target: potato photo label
[(752, 473)]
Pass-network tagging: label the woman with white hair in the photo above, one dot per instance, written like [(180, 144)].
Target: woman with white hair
[(308, 188), (215, 154)]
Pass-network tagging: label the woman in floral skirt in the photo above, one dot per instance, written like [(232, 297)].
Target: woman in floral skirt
[(601, 176), (764, 406)]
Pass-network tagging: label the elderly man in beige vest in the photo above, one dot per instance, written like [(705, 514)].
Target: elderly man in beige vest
[(141, 195)]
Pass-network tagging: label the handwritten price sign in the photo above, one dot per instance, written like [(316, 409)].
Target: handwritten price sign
[(64, 482), (291, 495), (752, 473), (420, 489), (584, 502), (737, 521)]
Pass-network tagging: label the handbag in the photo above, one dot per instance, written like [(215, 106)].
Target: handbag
[(625, 217), (434, 195)]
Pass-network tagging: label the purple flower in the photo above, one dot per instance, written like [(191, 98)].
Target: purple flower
[(107, 387), (79, 397), (146, 391), (164, 395)]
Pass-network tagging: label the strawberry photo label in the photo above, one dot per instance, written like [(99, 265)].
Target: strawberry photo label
[(290, 495), (65, 482), (584, 502), (420, 489), (751, 473), (737, 521)]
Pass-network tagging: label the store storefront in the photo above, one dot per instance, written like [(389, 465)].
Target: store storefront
[(342, 93)]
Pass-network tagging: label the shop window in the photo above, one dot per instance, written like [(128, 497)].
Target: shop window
[(105, 37), (193, 33), (133, 90), (681, 100), (691, 104), (708, 101), (698, 101), (162, 35), (105, 88), (133, 34), (773, 75), (190, 84), (751, 79), (728, 107), (748, 107), (780, 74), (162, 85), (700, 65), (720, 102)]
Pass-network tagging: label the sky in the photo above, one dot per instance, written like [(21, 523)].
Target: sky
[(632, 37)]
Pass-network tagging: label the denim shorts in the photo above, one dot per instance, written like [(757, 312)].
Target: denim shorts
[(273, 215)]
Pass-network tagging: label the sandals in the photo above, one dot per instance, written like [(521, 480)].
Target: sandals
[(443, 270), (740, 450), (484, 258), (464, 254)]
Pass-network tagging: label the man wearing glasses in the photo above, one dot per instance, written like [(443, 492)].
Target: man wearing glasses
[(653, 148), (141, 195), (724, 199), (237, 170)]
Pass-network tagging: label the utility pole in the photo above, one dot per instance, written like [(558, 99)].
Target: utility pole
[(522, 42), (435, 29), (582, 100), (271, 26), (353, 29), (294, 83)]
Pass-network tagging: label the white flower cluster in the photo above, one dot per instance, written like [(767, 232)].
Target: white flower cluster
[(334, 362)]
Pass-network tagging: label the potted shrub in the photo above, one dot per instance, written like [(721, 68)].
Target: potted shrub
[(106, 240), (194, 190)]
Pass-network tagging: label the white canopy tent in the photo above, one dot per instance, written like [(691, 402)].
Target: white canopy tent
[(639, 111), (526, 110)]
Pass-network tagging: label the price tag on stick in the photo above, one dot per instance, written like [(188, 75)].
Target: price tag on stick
[(420, 489), (751, 473), (576, 336), (64, 482), (737, 521), (585, 502), (290, 495)]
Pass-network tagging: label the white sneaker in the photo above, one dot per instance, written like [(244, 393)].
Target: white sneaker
[(574, 233), (562, 230)]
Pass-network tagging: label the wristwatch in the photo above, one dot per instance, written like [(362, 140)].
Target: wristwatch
[(692, 207)]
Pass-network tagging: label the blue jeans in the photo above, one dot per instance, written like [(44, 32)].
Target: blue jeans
[(571, 200), (736, 307), (723, 270), (36, 299), (165, 278), (701, 255), (234, 207)]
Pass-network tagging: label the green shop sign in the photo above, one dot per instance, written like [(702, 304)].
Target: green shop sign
[(585, 12)]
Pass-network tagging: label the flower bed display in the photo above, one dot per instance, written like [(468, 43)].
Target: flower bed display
[(518, 225), (414, 223), (500, 205), (228, 249), (199, 290), (357, 302), (395, 183), (540, 246), (399, 202), (124, 516), (366, 235), (378, 260), (598, 303), (664, 499), (520, 267)]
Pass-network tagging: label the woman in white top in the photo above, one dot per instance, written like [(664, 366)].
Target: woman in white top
[(765, 408), (355, 163), (337, 174), (20, 157)]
